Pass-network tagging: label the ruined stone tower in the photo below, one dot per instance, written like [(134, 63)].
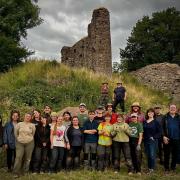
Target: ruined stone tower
[(93, 51)]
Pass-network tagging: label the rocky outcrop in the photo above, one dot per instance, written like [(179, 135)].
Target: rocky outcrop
[(93, 51), (162, 76)]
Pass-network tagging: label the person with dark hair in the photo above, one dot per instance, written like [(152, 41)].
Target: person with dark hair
[(152, 132), (104, 143), (135, 142), (67, 118), (109, 109), (24, 133), (119, 97), (99, 117), (90, 139), (74, 141), (47, 112), (36, 117), (159, 118), (171, 137), (135, 108), (42, 145), (58, 144), (1, 134), (120, 134), (9, 138)]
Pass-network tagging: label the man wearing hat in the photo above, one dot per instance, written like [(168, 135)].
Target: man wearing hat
[(135, 108), (104, 94), (82, 115), (159, 117), (119, 97)]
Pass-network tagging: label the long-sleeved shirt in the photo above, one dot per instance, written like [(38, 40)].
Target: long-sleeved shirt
[(24, 132), (152, 130)]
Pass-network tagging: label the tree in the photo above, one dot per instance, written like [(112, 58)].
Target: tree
[(16, 17), (153, 40)]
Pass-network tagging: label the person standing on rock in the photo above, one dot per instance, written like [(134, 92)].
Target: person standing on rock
[(104, 94), (119, 97)]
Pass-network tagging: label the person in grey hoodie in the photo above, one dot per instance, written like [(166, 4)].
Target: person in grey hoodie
[(9, 138)]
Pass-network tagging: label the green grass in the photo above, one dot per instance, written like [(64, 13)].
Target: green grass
[(37, 83)]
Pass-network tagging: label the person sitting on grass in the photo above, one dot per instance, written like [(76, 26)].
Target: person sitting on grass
[(90, 139), (120, 133), (104, 143), (135, 142)]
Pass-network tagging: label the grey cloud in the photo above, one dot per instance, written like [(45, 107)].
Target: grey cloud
[(66, 21)]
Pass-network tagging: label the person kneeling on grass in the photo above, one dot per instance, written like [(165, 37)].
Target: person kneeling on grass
[(104, 143), (135, 142), (57, 145), (74, 141), (120, 133), (91, 139)]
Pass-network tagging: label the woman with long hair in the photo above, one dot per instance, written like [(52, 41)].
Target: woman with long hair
[(9, 138)]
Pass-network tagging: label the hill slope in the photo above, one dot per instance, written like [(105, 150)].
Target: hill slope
[(37, 83)]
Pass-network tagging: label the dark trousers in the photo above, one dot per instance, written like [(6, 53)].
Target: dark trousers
[(40, 159), (136, 156), (57, 154), (171, 149), (11, 154), (124, 147), (160, 150), (151, 149), (120, 102), (73, 157), (104, 153)]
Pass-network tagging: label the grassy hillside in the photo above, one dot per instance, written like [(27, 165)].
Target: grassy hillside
[(37, 83)]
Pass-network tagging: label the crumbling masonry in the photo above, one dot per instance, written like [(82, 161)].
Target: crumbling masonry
[(93, 51)]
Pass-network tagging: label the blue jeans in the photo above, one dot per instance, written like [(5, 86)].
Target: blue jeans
[(57, 154), (151, 149)]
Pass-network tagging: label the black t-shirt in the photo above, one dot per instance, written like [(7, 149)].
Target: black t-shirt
[(120, 93), (76, 137)]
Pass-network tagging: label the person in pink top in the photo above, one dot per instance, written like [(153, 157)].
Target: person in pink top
[(135, 108)]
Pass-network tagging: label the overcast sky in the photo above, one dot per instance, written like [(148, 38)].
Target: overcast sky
[(66, 21)]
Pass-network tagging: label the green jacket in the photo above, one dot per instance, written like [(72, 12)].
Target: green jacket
[(121, 132)]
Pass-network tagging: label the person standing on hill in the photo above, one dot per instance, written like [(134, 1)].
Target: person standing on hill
[(104, 94), (171, 137), (82, 115), (9, 138), (119, 97), (135, 108), (159, 118)]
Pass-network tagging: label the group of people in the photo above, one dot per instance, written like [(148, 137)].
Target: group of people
[(49, 142)]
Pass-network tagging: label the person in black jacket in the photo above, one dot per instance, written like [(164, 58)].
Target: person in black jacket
[(42, 145), (74, 140), (1, 134), (171, 137)]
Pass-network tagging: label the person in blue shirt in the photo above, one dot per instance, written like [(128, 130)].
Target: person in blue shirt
[(90, 138), (152, 132), (9, 138), (171, 137)]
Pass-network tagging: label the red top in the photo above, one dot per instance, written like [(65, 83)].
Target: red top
[(113, 118)]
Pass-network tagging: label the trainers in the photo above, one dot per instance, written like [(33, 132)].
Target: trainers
[(115, 172), (130, 173), (139, 173), (16, 176)]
